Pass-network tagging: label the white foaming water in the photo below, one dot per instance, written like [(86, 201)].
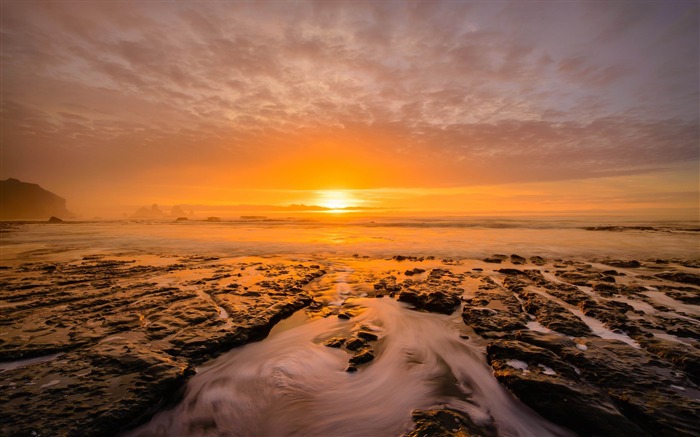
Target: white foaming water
[(292, 385)]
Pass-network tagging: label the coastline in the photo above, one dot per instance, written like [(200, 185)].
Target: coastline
[(115, 337)]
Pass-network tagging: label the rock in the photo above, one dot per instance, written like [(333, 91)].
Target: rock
[(683, 357), (154, 212), (447, 423), (432, 301), (563, 399), (686, 278), (369, 336), (493, 312), (415, 271), (335, 342), (538, 260), (517, 259), (54, 219), (355, 344), (554, 316), (25, 201), (361, 357), (181, 219), (640, 385), (126, 343), (496, 259), (632, 264)]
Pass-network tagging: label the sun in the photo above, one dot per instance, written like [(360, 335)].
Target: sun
[(336, 200)]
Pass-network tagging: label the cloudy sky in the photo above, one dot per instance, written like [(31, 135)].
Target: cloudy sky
[(531, 105)]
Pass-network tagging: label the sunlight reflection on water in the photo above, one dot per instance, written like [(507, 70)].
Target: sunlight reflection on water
[(336, 237)]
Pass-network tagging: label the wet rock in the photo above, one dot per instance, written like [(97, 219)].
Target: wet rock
[(682, 356), (434, 301), (689, 295), (496, 259), (556, 343), (685, 278), (631, 264), (361, 357), (561, 398), (493, 312), (335, 342), (355, 344), (538, 260), (388, 284), (554, 316), (126, 342), (366, 335), (517, 259), (605, 289), (640, 385), (447, 423)]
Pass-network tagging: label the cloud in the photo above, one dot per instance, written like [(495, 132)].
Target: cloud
[(443, 93)]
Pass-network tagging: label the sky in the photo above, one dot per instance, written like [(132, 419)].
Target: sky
[(436, 106)]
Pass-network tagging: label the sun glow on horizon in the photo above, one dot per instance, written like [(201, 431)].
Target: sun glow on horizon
[(336, 200)]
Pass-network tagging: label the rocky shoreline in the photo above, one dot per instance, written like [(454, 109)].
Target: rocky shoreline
[(95, 346)]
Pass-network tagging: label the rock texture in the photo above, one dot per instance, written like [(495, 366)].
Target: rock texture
[(94, 345), (118, 337)]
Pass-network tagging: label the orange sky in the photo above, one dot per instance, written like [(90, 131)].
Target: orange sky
[(432, 106)]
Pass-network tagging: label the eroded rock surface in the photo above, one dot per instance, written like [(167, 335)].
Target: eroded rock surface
[(603, 348), (127, 333)]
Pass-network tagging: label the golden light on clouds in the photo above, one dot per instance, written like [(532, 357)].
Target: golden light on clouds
[(233, 103)]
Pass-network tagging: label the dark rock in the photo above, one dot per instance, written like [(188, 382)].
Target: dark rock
[(562, 399), (433, 301), (361, 357), (448, 423), (493, 312), (605, 289), (554, 316), (181, 219), (632, 264), (25, 201), (55, 220), (415, 271), (355, 343), (517, 259), (686, 278), (493, 260), (128, 344), (369, 336), (538, 260), (640, 386), (335, 342)]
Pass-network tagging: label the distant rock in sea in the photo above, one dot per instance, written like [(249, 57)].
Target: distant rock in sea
[(25, 201), (153, 212)]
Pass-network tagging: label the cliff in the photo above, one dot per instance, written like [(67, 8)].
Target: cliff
[(25, 201)]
